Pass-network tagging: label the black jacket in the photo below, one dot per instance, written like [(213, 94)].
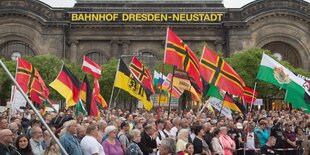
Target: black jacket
[(147, 144)]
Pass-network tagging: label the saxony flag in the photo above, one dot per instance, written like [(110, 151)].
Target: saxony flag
[(273, 72)]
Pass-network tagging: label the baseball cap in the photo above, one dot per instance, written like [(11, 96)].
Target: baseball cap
[(239, 126)]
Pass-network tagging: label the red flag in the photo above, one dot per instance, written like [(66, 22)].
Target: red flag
[(91, 67), (31, 81), (248, 94), (218, 72), (142, 74), (98, 101), (177, 53)]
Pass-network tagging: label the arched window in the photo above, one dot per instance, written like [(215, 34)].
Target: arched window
[(284, 51), (147, 57), (97, 57), (14, 49)]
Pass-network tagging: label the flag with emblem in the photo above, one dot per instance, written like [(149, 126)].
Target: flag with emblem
[(176, 91), (142, 74), (177, 53), (91, 67), (31, 82), (127, 81), (248, 93), (218, 72), (67, 85), (297, 88)]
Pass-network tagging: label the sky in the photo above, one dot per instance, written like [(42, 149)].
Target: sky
[(70, 3)]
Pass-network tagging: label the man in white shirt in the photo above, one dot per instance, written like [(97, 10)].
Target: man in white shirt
[(35, 141), (89, 144), (176, 127)]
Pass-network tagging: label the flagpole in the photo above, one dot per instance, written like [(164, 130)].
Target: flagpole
[(218, 117), (253, 96), (161, 86), (171, 87), (116, 97), (33, 107), (112, 93)]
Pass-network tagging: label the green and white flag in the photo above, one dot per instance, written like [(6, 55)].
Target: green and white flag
[(273, 72), (79, 107)]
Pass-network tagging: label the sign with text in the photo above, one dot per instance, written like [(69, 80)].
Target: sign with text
[(147, 17), (217, 104)]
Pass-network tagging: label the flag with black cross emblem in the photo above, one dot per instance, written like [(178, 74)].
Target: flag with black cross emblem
[(218, 72), (142, 74), (31, 82), (177, 53)]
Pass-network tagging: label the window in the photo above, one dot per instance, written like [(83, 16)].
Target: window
[(14, 49), (148, 58), (97, 57)]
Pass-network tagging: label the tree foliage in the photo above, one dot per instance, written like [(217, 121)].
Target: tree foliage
[(246, 64)]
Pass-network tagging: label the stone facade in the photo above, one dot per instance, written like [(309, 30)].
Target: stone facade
[(31, 27)]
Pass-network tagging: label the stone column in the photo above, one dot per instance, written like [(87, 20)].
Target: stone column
[(73, 50), (125, 47), (114, 49), (219, 45)]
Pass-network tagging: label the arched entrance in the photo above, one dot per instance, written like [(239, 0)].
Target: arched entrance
[(14, 49), (284, 51)]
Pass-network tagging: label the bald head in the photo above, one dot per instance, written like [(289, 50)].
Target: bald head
[(6, 137)]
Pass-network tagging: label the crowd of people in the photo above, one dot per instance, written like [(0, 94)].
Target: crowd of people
[(120, 132)]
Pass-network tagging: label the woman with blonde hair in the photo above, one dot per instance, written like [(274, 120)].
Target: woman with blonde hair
[(51, 148), (182, 140)]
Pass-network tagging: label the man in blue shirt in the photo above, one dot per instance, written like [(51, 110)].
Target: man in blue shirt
[(68, 141)]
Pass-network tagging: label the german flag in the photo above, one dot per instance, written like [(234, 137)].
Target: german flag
[(233, 104), (31, 81), (142, 73), (248, 94), (85, 93), (67, 85), (126, 80), (177, 53), (218, 72)]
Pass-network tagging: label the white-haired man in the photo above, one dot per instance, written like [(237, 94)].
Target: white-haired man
[(70, 143)]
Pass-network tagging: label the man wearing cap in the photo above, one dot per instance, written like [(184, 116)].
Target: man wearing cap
[(239, 138), (122, 135)]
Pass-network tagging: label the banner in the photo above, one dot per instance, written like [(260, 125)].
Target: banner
[(17, 100), (217, 104)]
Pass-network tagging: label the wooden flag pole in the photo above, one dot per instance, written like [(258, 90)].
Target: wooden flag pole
[(33, 107)]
